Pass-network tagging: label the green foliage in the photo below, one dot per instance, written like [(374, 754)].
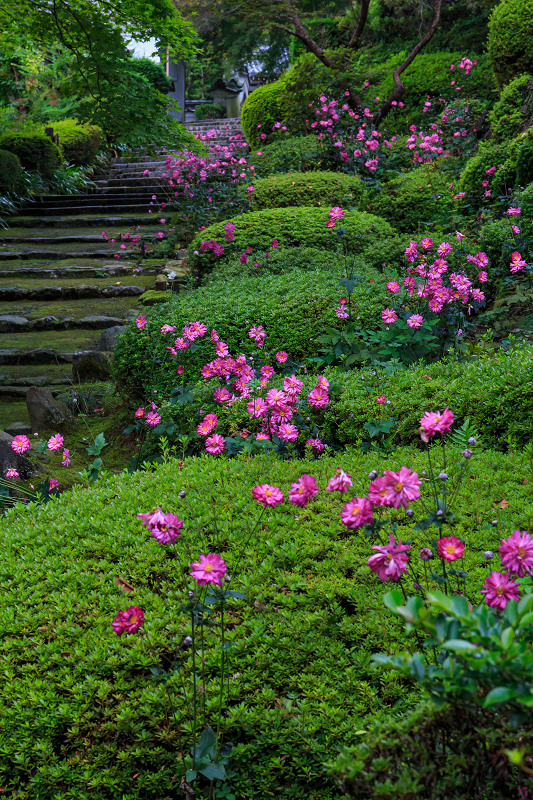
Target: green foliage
[(78, 143), (35, 151), (452, 753), (413, 200), (283, 259), (509, 42), (153, 73), (10, 171), (301, 189), (492, 391), (82, 715), (370, 238), (513, 112), (295, 153), (261, 108), (293, 308), (209, 111)]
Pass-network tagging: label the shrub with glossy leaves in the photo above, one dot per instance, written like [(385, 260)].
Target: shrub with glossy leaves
[(78, 142), (509, 42), (35, 151), (302, 189), (261, 110), (295, 154), (513, 113)]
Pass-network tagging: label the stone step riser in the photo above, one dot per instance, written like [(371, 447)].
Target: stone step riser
[(19, 392), (76, 222), (43, 356), (111, 208), (81, 272), (54, 324), (37, 255), (12, 294)]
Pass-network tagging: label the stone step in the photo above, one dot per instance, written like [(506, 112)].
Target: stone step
[(79, 220), (14, 294), (22, 325), (19, 392), (36, 356), (34, 374), (98, 208), (104, 272), (59, 251), (65, 314), (93, 197)]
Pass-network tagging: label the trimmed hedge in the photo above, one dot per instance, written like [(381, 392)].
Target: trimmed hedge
[(301, 189), (294, 308), (280, 260), (494, 391), (509, 41), (514, 162), (413, 200), (10, 171), (295, 154), (513, 112), (83, 716), (261, 107), (35, 151), (368, 237), (79, 142)]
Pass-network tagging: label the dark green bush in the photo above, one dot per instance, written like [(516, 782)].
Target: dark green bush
[(367, 236), (83, 716), (493, 391), (452, 756), (153, 73), (514, 162), (10, 171), (513, 112), (35, 151), (282, 259), (78, 142), (262, 107), (510, 37), (294, 308), (413, 200), (306, 189), (209, 111), (295, 154)]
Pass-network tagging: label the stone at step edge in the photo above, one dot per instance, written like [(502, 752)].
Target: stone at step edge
[(35, 380), (14, 324), (39, 355), (14, 294), (18, 392)]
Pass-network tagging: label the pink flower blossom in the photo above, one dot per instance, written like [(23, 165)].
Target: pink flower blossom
[(53, 483), (139, 414), (357, 511), (12, 473), (66, 458), (128, 621), (215, 444), (167, 329), (165, 528), (140, 322), (389, 316), (153, 419), (222, 349), (450, 548), (516, 553), (381, 399), (415, 321), (288, 432), (513, 212), (426, 244), (257, 408), (20, 443), (336, 213), (317, 445), (402, 487), (55, 442), (434, 422), (341, 482), (318, 398), (209, 569), (281, 356), (390, 562), (270, 496), (301, 492), (499, 589), (393, 287)]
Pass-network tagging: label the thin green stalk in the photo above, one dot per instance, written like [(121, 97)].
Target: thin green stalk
[(222, 666), (194, 690)]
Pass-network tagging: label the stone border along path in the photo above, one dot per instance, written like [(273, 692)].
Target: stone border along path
[(60, 282)]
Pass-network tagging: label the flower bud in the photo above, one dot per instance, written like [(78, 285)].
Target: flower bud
[(227, 579), (182, 494), (373, 475), (443, 476), (424, 473), (416, 587), (494, 522), (426, 554), (467, 453), (488, 555), (187, 641), (410, 512), (472, 442), (190, 595), (440, 513)]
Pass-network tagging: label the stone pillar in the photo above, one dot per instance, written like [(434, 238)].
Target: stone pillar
[(176, 71)]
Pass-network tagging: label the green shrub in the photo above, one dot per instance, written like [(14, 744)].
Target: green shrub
[(414, 199), (209, 111), (282, 259), (301, 189), (370, 238), (513, 112), (78, 142), (294, 154), (153, 73), (510, 37), (261, 108), (83, 716), (294, 308), (10, 171), (452, 752), (514, 162), (35, 151), (493, 391)]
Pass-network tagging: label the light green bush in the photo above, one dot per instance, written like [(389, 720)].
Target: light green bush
[(261, 108), (306, 189), (513, 112), (78, 142), (35, 151), (509, 42), (295, 154)]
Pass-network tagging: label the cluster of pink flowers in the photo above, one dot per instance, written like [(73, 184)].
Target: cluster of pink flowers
[(152, 417), (516, 555), (165, 528), (341, 311), (335, 214)]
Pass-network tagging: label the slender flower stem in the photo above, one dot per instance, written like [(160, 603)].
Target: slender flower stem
[(222, 666), (445, 575), (194, 695)]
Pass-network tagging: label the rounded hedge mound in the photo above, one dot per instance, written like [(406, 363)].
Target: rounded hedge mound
[(413, 200), (282, 259), (301, 189), (509, 41), (513, 112), (294, 308), (513, 160), (261, 110), (79, 142), (35, 151), (294, 154), (366, 236), (10, 171), (85, 712)]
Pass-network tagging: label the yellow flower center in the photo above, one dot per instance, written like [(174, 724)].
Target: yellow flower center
[(208, 567), (521, 552), (268, 492), (398, 486), (355, 511), (301, 490), (450, 548), (499, 591)]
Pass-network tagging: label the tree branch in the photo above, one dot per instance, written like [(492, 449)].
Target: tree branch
[(399, 88), (361, 22)]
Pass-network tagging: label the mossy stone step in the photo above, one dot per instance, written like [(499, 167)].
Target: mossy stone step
[(104, 279), (98, 208), (15, 392), (15, 294), (100, 220), (116, 307), (41, 355), (18, 275)]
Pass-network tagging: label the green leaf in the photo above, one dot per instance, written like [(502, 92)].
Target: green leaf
[(190, 775), (459, 646), (501, 694), (393, 600), (97, 446), (213, 772), (507, 638), (206, 744)]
